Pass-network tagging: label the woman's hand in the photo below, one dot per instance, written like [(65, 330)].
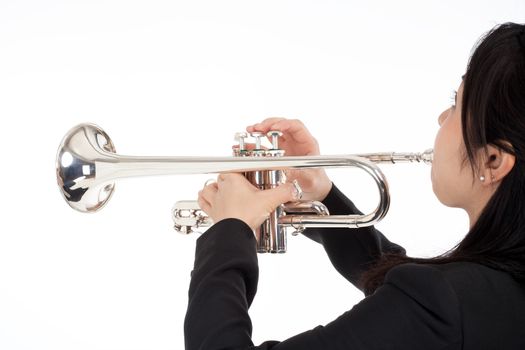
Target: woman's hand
[(232, 196), (297, 141)]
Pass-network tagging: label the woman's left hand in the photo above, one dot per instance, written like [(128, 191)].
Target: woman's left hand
[(233, 196)]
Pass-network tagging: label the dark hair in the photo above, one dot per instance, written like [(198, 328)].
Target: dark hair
[(493, 113)]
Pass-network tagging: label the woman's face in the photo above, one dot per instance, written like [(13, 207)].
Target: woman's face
[(451, 175)]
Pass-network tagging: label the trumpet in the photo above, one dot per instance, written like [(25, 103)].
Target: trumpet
[(87, 166)]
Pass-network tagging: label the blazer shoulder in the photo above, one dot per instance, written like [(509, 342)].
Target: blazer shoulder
[(467, 277), (428, 286)]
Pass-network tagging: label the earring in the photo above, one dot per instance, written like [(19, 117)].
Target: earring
[(482, 178)]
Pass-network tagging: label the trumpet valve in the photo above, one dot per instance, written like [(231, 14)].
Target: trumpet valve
[(257, 136), (240, 139), (274, 135)]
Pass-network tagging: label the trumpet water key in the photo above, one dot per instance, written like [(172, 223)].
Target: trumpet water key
[(87, 167)]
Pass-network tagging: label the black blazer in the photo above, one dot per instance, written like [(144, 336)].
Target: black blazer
[(424, 307)]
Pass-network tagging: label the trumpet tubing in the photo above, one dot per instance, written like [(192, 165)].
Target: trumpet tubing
[(87, 167)]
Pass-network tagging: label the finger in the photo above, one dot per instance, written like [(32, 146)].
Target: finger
[(230, 177), (237, 182), (292, 174), (294, 128), (209, 192), (284, 193), (249, 146), (204, 204), (209, 182), (264, 126), (226, 178)]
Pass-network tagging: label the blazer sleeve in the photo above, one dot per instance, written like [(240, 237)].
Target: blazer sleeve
[(416, 308), (351, 251)]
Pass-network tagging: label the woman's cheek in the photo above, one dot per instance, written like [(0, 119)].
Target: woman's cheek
[(437, 178)]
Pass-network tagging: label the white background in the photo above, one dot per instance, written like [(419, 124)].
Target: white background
[(179, 78)]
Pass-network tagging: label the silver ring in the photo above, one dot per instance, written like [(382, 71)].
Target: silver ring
[(298, 189)]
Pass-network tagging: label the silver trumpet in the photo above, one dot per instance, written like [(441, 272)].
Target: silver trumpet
[(87, 165)]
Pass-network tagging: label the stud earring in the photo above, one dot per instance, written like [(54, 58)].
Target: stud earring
[(482, 178)]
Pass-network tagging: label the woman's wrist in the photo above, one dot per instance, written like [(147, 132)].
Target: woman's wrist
[(326, 190), (323, 187)]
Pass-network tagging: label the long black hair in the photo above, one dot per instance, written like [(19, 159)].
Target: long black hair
[(493, 113)]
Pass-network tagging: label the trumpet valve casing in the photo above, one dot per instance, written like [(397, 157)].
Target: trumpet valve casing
[(271, 236)]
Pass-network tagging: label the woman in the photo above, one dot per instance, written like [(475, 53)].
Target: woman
[(472, 297)]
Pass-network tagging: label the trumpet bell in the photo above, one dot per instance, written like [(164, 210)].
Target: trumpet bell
[(80, 149)]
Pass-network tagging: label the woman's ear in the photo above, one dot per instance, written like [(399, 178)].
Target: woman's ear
[(497, 164)]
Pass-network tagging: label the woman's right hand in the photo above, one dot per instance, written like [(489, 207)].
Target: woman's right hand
[(297, 141)]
